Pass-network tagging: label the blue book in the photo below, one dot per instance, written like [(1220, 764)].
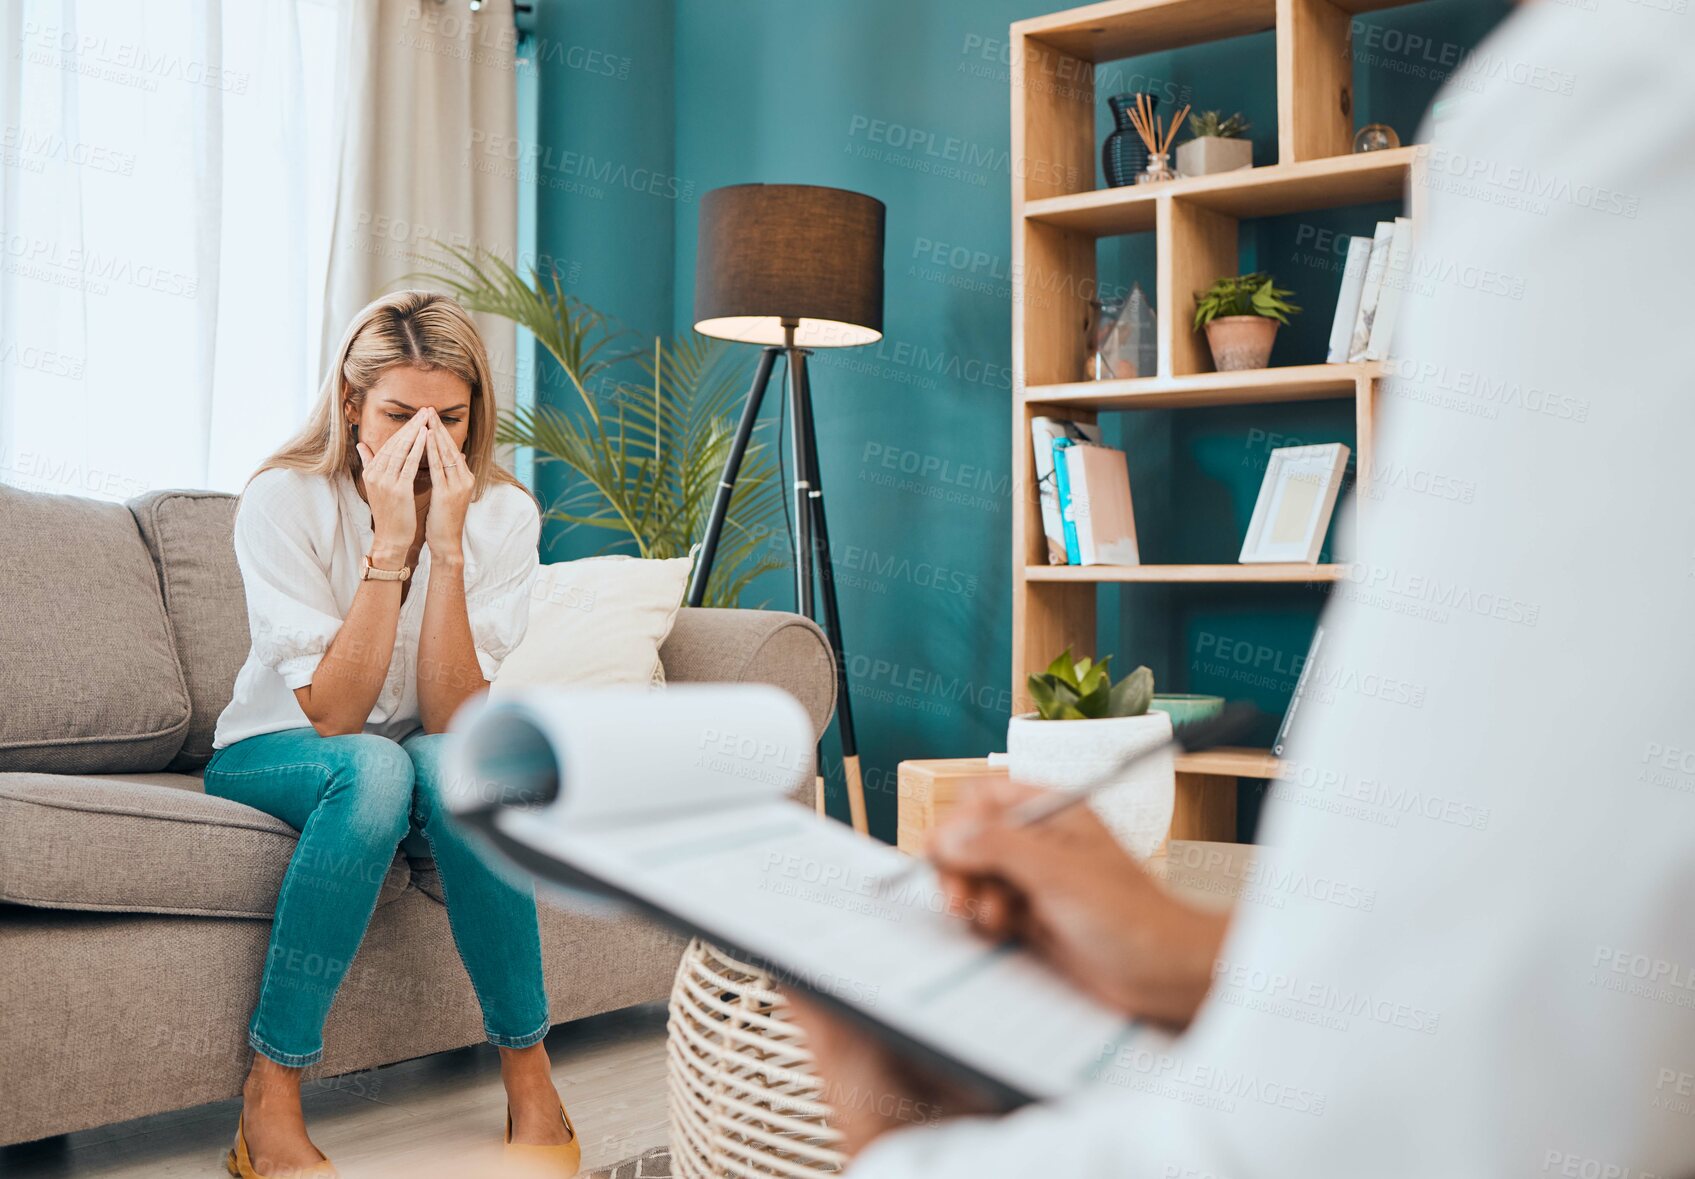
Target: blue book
[(1062, 484)]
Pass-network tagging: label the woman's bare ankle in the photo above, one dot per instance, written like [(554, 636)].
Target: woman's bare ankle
[(525, 1070), (271, 1086), (275, 1123), (531, 1096)]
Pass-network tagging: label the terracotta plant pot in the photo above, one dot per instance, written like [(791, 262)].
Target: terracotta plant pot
[(1241, 341)]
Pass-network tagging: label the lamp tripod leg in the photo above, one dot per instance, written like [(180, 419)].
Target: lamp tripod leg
[(799, 432), (819, 555), (727, 484)]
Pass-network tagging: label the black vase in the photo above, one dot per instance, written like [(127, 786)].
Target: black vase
[(1124, 156)]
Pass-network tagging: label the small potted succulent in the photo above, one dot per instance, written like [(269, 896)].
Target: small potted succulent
[(1219, 145), (1241, 316), (1084, 724)]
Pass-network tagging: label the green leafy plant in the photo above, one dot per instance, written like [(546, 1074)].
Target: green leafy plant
[(1209, 123), (1083, 690), (1245, 294), (651, 431)]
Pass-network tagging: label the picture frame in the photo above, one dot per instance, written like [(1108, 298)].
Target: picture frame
[(1296, 501)]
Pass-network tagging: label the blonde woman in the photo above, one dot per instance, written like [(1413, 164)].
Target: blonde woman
[(387, 561)]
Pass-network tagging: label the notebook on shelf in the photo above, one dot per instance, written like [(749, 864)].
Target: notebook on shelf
[(1097, 479), (1348, 299), (1381, 244), (1043, 432)]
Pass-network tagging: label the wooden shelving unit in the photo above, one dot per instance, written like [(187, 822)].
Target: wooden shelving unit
[(1194, 574), (1231, 761), (1302, 382), (1252, 192), (1055, 229), (1205, 803)]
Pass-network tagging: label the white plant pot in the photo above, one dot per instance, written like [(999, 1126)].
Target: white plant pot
[(1212, 154), (1068, 754)]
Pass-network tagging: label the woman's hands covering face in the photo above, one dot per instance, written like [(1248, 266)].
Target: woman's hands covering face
[(389, 474), (451, 484)]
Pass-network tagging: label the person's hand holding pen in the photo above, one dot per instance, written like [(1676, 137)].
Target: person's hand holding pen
[(1068, 890)]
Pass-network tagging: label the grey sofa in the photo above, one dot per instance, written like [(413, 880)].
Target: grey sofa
[(134, 908)]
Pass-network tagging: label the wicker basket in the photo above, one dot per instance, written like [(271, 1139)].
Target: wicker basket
[(744, 1102)]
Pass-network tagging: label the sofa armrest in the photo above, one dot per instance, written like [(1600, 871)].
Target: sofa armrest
[(754, 646)]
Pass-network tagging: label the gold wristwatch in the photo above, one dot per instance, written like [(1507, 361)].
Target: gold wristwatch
[(369, 572)]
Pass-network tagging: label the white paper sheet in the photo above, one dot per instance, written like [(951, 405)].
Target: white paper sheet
[(711, 841)]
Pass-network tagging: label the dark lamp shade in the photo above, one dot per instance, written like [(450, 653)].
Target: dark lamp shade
[(770, 252)]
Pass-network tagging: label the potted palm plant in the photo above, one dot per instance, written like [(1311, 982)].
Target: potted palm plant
[(1241, 315), (648, 433), (1084, 724)]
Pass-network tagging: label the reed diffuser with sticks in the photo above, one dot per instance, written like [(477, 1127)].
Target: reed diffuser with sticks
[(1158, 138)]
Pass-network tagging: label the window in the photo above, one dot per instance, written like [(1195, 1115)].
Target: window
[(166, 195)]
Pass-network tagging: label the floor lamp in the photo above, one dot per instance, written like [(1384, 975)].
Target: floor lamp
[(791, 267)]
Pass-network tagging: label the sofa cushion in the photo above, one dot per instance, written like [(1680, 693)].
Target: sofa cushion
[(190, 536), (599, 621), (144, 844), (87, 668)]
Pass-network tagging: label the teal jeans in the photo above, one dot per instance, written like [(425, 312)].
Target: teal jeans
[(353, 799)]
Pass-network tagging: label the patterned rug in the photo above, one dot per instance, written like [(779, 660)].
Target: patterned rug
[(651, 1164)]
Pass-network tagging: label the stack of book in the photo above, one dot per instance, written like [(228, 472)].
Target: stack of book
[(1084, 489), (1373, 278)]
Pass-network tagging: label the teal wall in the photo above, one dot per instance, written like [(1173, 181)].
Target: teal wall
[(602, 171), (907, 100)]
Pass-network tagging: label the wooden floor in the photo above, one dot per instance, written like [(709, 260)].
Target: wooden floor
[(442, 1115)]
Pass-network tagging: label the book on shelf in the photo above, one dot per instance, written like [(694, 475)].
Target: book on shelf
[(1062, 489), (1348, 299), (1373, 289), (1100, 515), (1043, 431), (1394, 283)]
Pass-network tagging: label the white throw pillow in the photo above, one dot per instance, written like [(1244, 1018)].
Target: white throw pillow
[(600, 620)]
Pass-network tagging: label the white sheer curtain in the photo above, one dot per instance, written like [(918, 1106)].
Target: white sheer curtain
[(191, 194), (167, 188)]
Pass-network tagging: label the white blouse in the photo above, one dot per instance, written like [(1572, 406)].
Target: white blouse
[(299, 541)]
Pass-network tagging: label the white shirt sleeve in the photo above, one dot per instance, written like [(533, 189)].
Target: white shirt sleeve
[(1164, 1110), (291, 609), (1079, 1136), (498, 604)]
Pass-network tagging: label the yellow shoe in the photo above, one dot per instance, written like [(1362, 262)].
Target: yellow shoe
[(240, 1164), (562, 1160)]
